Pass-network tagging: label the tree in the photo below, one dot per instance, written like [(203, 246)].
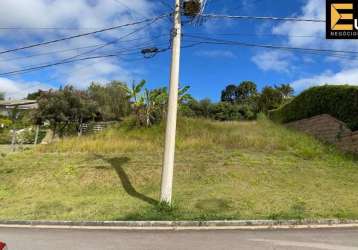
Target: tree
[(87, 111), (246, 91), (286, 90), (227, 112), (229, 94), (2, 96), (135, 90), (112, 100), (202, 108), (65, 107), (242, 93), (34, 95), (183, 95), (271, 98), (151, 105)]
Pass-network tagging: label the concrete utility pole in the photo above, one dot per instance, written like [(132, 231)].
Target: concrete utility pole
[(169, 151)]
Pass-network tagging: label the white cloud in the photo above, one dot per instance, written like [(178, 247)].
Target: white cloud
[(311, 35), (345, 76), (216, 53), (313, 9), (98, 71), (20, 89), (84, 15), (273, 60)]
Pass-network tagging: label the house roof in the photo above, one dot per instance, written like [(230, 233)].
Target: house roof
[(20, 104)]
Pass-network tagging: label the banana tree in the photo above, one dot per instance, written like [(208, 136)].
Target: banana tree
[(135, 90), (161, 98), (183, 95), (135, 95)]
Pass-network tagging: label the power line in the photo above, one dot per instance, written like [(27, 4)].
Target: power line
[(166, 4), (313, 52), (71, 59), (74, 49), (111, 42), (39, 67), (129, 8), (291, 19), (209, 40), (47, 28), (195, 43), (56, 64), (115, 54), (86, 66), (82, 35), (123, 51), (204, 3), (259, 34)]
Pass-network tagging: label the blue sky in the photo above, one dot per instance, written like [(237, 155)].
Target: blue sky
[(206, 68)]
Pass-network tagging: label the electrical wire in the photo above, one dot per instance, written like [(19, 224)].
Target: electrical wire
[(260, 34), (39, 67), (134, 48), (47, 28), (129, 8), (290, 19), (112, 42), (69, 50), (209, 40), (166, 4), (115, 54), (55, 64), (82, 35)]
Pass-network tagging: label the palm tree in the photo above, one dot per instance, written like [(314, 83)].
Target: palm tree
[(286, 90)]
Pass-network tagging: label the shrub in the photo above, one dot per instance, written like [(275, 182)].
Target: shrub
[(27, 135), (222, 111), (5, 123), (5, 137), (270, 98), (340, 101), (231, 112)]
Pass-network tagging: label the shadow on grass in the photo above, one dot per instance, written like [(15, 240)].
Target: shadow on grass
[(117, 163)]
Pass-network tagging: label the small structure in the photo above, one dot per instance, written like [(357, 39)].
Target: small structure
[(11, 109), (6, 106)]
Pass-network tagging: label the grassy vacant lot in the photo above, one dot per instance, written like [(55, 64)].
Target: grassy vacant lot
[(238, 170), (4, 149)]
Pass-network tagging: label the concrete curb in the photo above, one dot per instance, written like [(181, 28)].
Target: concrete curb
[(183, 225)]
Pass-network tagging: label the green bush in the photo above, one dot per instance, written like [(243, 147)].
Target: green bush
[(5, 137), (340, 101), (222, 111), (232, 112)]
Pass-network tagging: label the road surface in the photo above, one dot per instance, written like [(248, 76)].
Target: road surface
[(63, 239)]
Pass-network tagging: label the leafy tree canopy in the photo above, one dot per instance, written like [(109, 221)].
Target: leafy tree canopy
[(241, 93)]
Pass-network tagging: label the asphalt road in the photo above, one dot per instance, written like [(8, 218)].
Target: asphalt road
[(54, 239)]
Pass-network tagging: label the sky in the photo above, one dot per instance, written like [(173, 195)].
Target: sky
[(207, 68)]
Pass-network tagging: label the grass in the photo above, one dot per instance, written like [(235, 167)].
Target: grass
[(234, 170)]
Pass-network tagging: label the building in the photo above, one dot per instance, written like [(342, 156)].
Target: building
[(6, 106)]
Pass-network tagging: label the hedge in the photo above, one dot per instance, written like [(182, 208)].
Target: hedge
[(340, 101)]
